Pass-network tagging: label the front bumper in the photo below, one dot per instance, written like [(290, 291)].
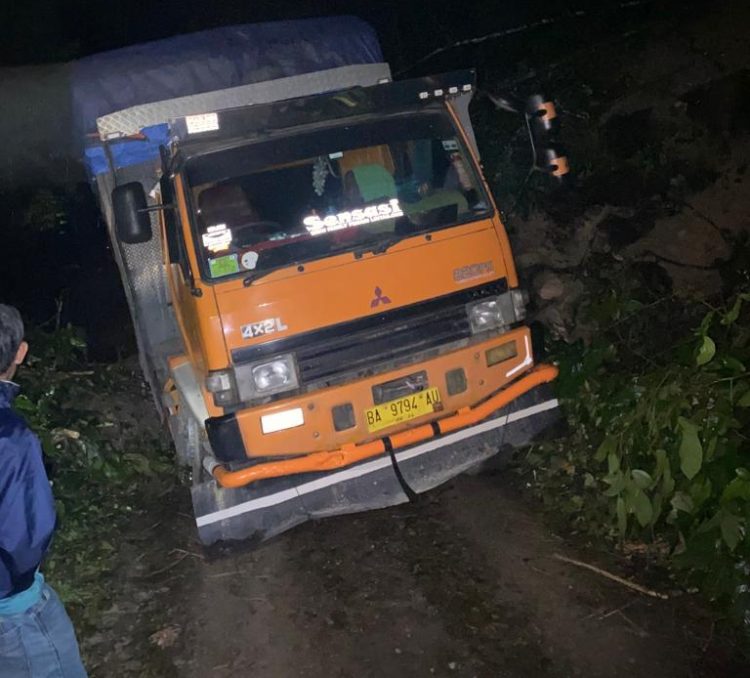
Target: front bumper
[(240, 438), (270, 506)]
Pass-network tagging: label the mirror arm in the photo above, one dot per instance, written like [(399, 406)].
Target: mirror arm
[(158, 208), (534, 164)]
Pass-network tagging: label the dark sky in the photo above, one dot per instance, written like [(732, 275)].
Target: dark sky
[(43, 31), (35, 122)]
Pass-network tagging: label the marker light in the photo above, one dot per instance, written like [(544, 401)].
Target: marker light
[(501, 353), (281, 421)]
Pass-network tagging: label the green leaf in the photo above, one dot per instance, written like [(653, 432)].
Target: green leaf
[(644, 511), (739, 488), (614, 463), (733, 364), (711, 448), (706, 352), (691, 451), (608, 446), (731, 530), (23, 404), (682, 502), (642, 479), (657, 500), (622, 516), (731, 316), (140, 462), (744, 401), (667, 483), (701, 491), (706, 323), (616, 482)]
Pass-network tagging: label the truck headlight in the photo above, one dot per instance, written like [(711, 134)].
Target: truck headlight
[(275, 375), (485, 315), (246, 383), (497, 312)]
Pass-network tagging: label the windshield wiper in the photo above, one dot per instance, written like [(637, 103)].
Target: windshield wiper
[(382, 245)]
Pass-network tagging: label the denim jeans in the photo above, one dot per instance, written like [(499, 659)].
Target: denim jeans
[(40, 643)]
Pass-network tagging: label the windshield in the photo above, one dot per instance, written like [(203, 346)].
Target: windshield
[(356, 187)]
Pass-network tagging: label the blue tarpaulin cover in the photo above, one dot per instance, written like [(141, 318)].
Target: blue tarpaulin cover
[(206, 61)]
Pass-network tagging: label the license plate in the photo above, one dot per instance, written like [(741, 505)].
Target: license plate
[(403, 409)]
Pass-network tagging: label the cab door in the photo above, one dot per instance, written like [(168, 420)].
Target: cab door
[(194, 304)]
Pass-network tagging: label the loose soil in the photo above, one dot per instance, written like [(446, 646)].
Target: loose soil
[(462, 583)]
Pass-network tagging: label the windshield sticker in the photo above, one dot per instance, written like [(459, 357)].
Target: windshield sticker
[(367, 215), (206, 122), (249, 260), (473, 271), (221, 266), (217, 238), (450, 144)]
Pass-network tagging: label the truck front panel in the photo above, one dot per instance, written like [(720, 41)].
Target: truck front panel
[(332, 417)]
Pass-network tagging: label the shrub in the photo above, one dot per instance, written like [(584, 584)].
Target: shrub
[(659, 446)]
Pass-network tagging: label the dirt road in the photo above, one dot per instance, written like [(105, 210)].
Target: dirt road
[(462, 583)]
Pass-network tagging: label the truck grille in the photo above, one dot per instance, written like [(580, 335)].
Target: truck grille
[(372, 344)]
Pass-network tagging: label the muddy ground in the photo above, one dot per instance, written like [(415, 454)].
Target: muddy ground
[(464, 582)]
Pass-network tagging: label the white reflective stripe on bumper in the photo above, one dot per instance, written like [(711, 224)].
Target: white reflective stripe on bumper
[(372, 466)]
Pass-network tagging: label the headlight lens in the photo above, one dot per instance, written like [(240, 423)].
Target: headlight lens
[(485, 315), (275, 375), (497, 312), (261, 379)]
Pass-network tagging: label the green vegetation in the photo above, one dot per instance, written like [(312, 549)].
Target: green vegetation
[(100, 460), (659, 417)]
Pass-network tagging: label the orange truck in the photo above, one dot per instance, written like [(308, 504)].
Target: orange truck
[(322, 289)]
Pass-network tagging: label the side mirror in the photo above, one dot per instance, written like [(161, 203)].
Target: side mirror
[(542, 122), (542, 116), (549, 160), (132, 218)]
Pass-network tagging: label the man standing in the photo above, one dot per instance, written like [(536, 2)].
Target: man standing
[(36, 637)]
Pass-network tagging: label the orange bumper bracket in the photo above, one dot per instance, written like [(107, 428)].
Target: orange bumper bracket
[(350, 454)]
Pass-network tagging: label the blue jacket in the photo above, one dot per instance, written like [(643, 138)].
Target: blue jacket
[(27, 509)]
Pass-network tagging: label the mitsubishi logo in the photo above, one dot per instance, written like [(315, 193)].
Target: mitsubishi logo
[(380, 298)]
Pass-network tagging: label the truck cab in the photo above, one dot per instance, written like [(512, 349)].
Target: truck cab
[(349, 323)]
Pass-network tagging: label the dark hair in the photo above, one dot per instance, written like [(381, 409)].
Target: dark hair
[(11, 335)]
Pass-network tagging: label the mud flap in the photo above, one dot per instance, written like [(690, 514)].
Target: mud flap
[(269, 507)]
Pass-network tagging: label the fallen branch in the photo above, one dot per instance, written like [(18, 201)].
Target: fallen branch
[(613, 577), (188, 553), (601, 616), (175, 562)]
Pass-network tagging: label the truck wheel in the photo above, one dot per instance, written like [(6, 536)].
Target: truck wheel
[(187, 437)]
